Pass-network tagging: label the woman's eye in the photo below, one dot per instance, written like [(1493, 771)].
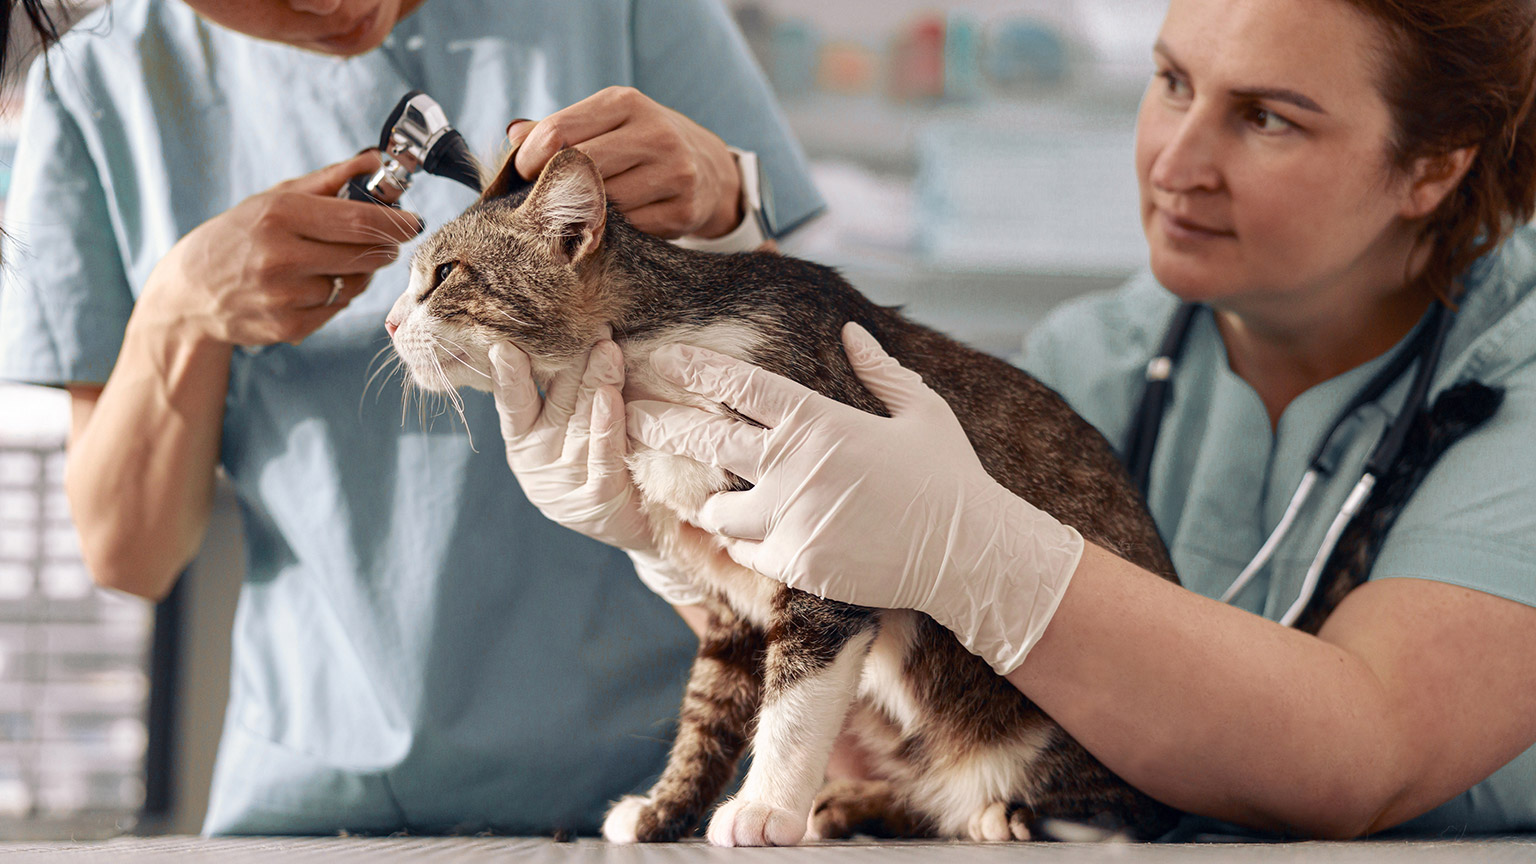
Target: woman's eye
[(1174, 86), (1265, 120), (443, 271)]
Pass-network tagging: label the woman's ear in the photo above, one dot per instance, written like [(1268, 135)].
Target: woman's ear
[(567, 205), (1433, 178)]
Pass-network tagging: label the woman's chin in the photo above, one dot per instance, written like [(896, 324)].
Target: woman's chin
[(1191, 282)]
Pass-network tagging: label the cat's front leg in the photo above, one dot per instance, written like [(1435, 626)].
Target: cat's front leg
[(814, 661), (724, 691)]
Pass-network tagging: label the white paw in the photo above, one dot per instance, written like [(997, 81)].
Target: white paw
[(990, 824), (619, 824), (748, 823)]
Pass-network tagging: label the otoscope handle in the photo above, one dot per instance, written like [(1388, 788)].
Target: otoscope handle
[(357, 190)]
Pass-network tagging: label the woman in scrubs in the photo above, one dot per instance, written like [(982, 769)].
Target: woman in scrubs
[(415, 647), (1319, 174)]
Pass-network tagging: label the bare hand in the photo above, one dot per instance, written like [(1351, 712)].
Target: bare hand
[(262, 272), (669, 175)]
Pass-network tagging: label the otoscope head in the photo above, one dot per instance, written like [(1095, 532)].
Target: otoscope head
[(418, 137)]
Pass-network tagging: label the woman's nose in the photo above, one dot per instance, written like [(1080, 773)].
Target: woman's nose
[(1189, 159)]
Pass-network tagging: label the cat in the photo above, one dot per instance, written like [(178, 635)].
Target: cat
[(957, 751)]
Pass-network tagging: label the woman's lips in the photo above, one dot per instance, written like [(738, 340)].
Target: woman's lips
[(1186, 229), (353, 35)]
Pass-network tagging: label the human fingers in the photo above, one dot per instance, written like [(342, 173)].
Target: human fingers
[(560, 397), (321, 292), (310, 257), (601, 112), (755, 392), (668, 219), (901, 389), (737, 515), (517, 397), (749, 554), (604, 367), (329, 180), (610, 434), (723, 442), (295, 325), (339, 220), (619, 150)]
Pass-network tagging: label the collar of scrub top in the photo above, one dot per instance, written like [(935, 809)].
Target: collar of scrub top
[(1424, 346)]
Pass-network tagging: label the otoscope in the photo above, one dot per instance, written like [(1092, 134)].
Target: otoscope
[(416, 137)]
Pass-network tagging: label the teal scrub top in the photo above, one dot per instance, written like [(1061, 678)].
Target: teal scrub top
[(1221, 479), (416, 647)]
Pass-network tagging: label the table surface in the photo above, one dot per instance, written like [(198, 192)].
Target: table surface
[(542, 851)]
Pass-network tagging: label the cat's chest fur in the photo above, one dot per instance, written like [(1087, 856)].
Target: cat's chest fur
[(675, 487)]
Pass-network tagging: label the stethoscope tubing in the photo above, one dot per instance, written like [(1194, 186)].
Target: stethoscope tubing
[(1424, 347)]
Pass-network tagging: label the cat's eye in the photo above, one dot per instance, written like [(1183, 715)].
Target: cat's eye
[(443, 271)]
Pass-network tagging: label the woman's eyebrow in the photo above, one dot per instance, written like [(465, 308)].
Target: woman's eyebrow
[(1280, 94), (1276, 94)]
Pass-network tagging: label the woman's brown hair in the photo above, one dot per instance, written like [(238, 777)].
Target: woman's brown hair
[(1462, 73), (42, 18)]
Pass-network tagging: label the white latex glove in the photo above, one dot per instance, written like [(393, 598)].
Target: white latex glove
[(568, 450), (891, 512)]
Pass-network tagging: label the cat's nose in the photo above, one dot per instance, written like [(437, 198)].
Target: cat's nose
[(390, 327)]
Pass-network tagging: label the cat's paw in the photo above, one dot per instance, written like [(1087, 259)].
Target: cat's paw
[(622, 823), (997, 822), (635, 819), (845, 808), (739, 822)]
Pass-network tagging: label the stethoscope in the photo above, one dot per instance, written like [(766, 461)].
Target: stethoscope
[(1424, 346)]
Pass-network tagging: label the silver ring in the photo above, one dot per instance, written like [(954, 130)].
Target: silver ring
[(336, 284)]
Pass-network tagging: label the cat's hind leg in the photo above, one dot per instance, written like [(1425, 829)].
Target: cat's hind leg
[(844, 808), (815, 657), (724, 691)]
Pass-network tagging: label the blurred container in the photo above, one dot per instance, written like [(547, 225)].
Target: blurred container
[(917, 61), (1024, 54), (848, 68), (793, 58), (962, 59)]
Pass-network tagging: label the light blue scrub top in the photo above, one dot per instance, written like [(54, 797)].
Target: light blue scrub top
[(416, 647), (1221, 480)]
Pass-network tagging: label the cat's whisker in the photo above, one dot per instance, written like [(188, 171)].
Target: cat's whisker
[(400, 219), (384, 237), (383, 366), (465, 363), (452, 392), (518, 321)]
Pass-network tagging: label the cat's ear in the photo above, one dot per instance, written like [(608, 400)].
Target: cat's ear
[(506, 181), (568, 205)]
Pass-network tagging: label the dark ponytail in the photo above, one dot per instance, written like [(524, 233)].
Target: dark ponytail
[(40, 29)]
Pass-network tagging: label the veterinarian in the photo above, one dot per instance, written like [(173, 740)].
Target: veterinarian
[(416, 648), (1319, 176)]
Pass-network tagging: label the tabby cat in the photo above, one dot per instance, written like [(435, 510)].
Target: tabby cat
[(958, 752)]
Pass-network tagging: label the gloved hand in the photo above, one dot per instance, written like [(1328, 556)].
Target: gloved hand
[(567, 451), (891, 512)]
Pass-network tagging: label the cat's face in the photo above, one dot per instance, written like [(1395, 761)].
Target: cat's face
[(507, 271)]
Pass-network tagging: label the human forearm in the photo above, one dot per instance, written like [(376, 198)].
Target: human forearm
[(141, 465), (1214, 710)]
